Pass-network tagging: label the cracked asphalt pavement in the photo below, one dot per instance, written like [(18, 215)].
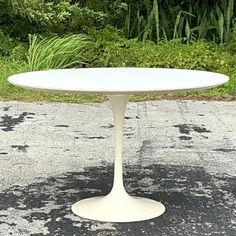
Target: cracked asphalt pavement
[(182, 153)]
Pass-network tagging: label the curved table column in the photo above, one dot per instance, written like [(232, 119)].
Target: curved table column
[(118, 206)]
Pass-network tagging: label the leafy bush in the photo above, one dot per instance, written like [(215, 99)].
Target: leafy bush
[(115, 51), (20, 18), (231, 45), (56, 52), (6, 45), (11, 48)]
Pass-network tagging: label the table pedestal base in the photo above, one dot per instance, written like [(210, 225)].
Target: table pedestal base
[(118, 208)]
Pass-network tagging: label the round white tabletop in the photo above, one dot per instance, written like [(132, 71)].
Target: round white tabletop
[(118, 80), (118, 84)]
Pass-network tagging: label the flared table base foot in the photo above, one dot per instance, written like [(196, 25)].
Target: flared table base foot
[(115, 209)]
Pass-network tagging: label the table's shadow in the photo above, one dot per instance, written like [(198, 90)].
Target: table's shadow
[(197, 203)]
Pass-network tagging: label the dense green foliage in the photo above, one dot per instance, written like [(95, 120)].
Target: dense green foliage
[(109, 48), (116, 51), (44, 34), (142, 19), (18, 18), (168, 19)]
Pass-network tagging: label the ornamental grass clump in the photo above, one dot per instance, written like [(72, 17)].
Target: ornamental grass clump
[(56, 52), (158, 20)]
